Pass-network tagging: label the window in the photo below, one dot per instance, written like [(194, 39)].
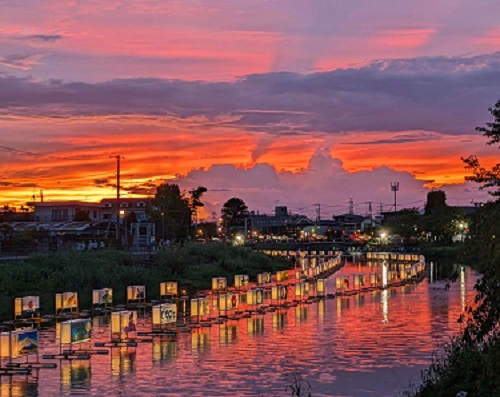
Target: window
[(60, 215)]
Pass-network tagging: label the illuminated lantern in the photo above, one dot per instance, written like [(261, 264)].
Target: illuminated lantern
[(123, 325), (76, 331), (255, 296), (165, 313), (27, 306), (136, 293), (102, 297), (279, 293), (241, 280), (67, 302), (263, 278), (300, 290), (321, 286), (281, 276), (18, 343), (168, 290), (219, 284)]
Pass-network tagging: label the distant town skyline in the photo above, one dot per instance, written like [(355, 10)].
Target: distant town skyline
[(273, 101)]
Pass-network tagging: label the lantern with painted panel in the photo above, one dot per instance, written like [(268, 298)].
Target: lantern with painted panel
[(300, 290), (279, 293), (241, 280), (164, 314), (19, 343), (27, 307), (282, 276), (76, 331), (136, 294), (102, 297), (169, 290), (263, 278), (67, 302), (200, 307), (321, 286), (219, 283), (124, 325), (255, 297)]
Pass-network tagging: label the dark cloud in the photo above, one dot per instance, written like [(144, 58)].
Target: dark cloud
[(448, 95), (46, 38), (102, 181), (18, 61), (16, 184)]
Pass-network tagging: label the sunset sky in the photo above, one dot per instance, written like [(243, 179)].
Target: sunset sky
[(274, 101)]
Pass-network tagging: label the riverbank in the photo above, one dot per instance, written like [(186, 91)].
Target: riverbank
[(192, 266)]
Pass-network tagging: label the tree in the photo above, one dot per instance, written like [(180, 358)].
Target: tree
[(195, 200), (172, 213), (487, 178), (440, 219), (234, 212), (404, 223)]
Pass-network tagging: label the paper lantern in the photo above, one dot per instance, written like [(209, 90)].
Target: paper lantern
[(27, 306), (124, 325), (102, 296), (165, 313)]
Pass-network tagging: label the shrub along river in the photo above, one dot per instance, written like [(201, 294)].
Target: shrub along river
[(370, 344)]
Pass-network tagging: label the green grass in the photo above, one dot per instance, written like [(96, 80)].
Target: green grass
[(193, 266)]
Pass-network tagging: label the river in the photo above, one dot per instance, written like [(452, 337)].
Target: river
[(368, 345)]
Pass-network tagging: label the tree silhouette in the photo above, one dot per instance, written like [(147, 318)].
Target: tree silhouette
[(487, 178)]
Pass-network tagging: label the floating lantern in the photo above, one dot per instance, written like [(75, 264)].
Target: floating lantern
[(263, 278), (76, 331), (255, 296), (321, 286), (165, 313), (136, 294), (241, 280), (168, 290), (279, 293), (219, 284), (67, 302), (281, 276), (102, 297), (124, 325), (19, 343), (27, 306)]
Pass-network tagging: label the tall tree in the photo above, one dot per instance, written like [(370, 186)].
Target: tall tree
[(440, 219), (487, 178), (195, 200), (172, 213), (234, 211)]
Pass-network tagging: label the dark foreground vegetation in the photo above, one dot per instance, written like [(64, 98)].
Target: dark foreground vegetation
[(193, 266), (470, 363)]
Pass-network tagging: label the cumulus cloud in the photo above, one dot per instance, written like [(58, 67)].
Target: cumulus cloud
[(443, 94), (323, 182)]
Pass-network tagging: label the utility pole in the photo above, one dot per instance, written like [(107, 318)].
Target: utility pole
[(351, 206), (318, 214), (117, 157), (381, 208), (370, 213), (395, 188)]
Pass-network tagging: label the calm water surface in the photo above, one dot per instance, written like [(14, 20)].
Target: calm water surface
[(372, 344)]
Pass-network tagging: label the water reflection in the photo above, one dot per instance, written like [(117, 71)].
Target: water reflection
[(381, 338), (18, 387), (164, 350), (123, 361), (384, 299)]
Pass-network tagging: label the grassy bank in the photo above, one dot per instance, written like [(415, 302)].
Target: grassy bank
[(193, 266)]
